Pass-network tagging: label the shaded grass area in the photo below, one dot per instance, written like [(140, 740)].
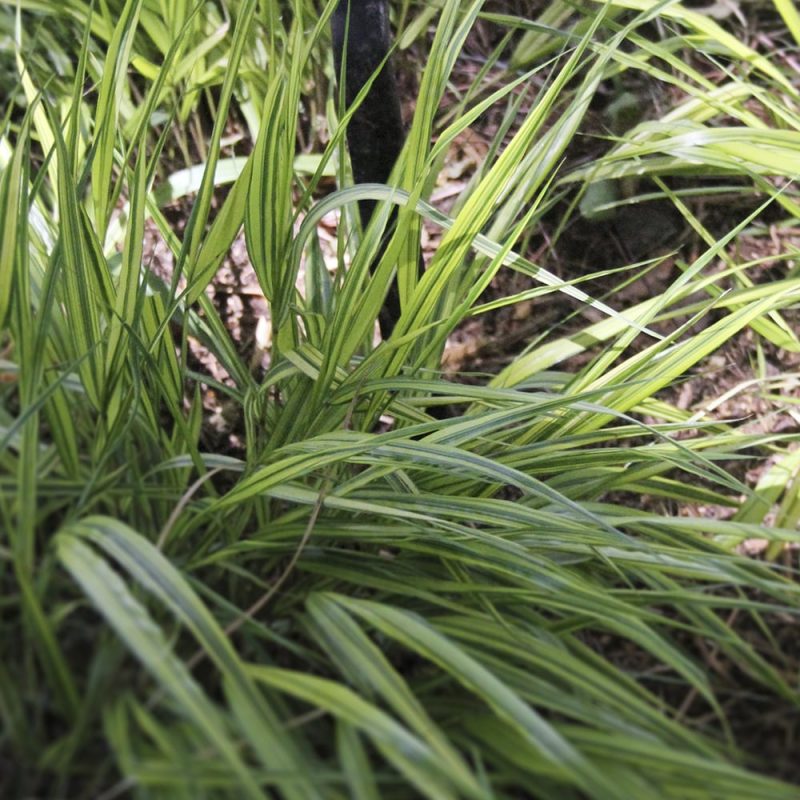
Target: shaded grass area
[(360, 596)]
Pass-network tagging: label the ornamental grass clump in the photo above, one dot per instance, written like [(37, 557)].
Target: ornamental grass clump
[(528, 581)]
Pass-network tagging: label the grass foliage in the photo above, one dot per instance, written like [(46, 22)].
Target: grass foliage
[(345, 610)]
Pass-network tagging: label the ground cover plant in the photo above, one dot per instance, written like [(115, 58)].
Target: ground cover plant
[(536, 580)]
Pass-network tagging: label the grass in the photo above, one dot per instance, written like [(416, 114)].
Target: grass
[(478, 605)]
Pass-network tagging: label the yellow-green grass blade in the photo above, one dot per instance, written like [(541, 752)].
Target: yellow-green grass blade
[(154, 572), (539, 736), (145, 639), (112, 86)]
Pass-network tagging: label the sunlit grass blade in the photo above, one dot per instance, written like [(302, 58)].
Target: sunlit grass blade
[(108, 102), (132, 622), (409, 754), (363, 661), (535, 731), (149, 567)]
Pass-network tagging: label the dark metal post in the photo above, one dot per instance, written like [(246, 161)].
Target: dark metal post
[(375, 134)]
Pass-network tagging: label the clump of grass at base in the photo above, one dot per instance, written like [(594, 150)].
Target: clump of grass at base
[(439, 609)]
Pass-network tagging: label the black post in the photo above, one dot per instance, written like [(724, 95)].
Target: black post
[(375, 134)]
